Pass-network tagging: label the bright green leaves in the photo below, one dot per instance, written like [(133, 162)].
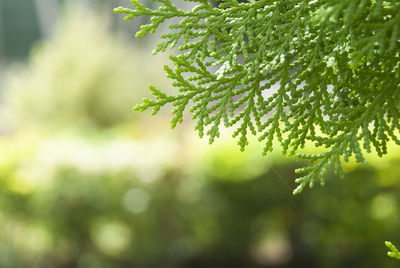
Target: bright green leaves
[(161, 100), (320, 72), (394, 252)]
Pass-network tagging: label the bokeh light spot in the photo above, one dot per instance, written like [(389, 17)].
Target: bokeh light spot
[(136, 200), (112, 238), (383, 206)]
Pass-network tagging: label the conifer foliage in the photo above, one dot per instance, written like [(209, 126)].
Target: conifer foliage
[(394, 252), (325, 72)]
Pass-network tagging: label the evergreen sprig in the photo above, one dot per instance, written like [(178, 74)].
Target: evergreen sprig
[(394, 252), (325, 72)]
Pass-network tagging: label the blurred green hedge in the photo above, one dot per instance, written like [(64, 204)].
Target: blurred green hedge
[(151, 202)]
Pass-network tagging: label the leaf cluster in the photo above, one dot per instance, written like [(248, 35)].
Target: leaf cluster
[(325, 72)]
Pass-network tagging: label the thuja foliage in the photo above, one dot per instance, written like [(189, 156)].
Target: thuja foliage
[(394, 252), (298, 71)]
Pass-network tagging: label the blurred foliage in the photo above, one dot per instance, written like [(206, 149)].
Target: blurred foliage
[(84, 183), (83, 77), (152, 202)]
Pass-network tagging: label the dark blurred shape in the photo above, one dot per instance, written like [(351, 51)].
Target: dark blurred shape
[(19, 28)]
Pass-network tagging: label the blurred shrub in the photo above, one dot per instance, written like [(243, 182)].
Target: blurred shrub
[(172, 207), (84, 77)]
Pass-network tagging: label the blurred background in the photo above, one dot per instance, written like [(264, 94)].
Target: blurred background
[(86, 182)]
